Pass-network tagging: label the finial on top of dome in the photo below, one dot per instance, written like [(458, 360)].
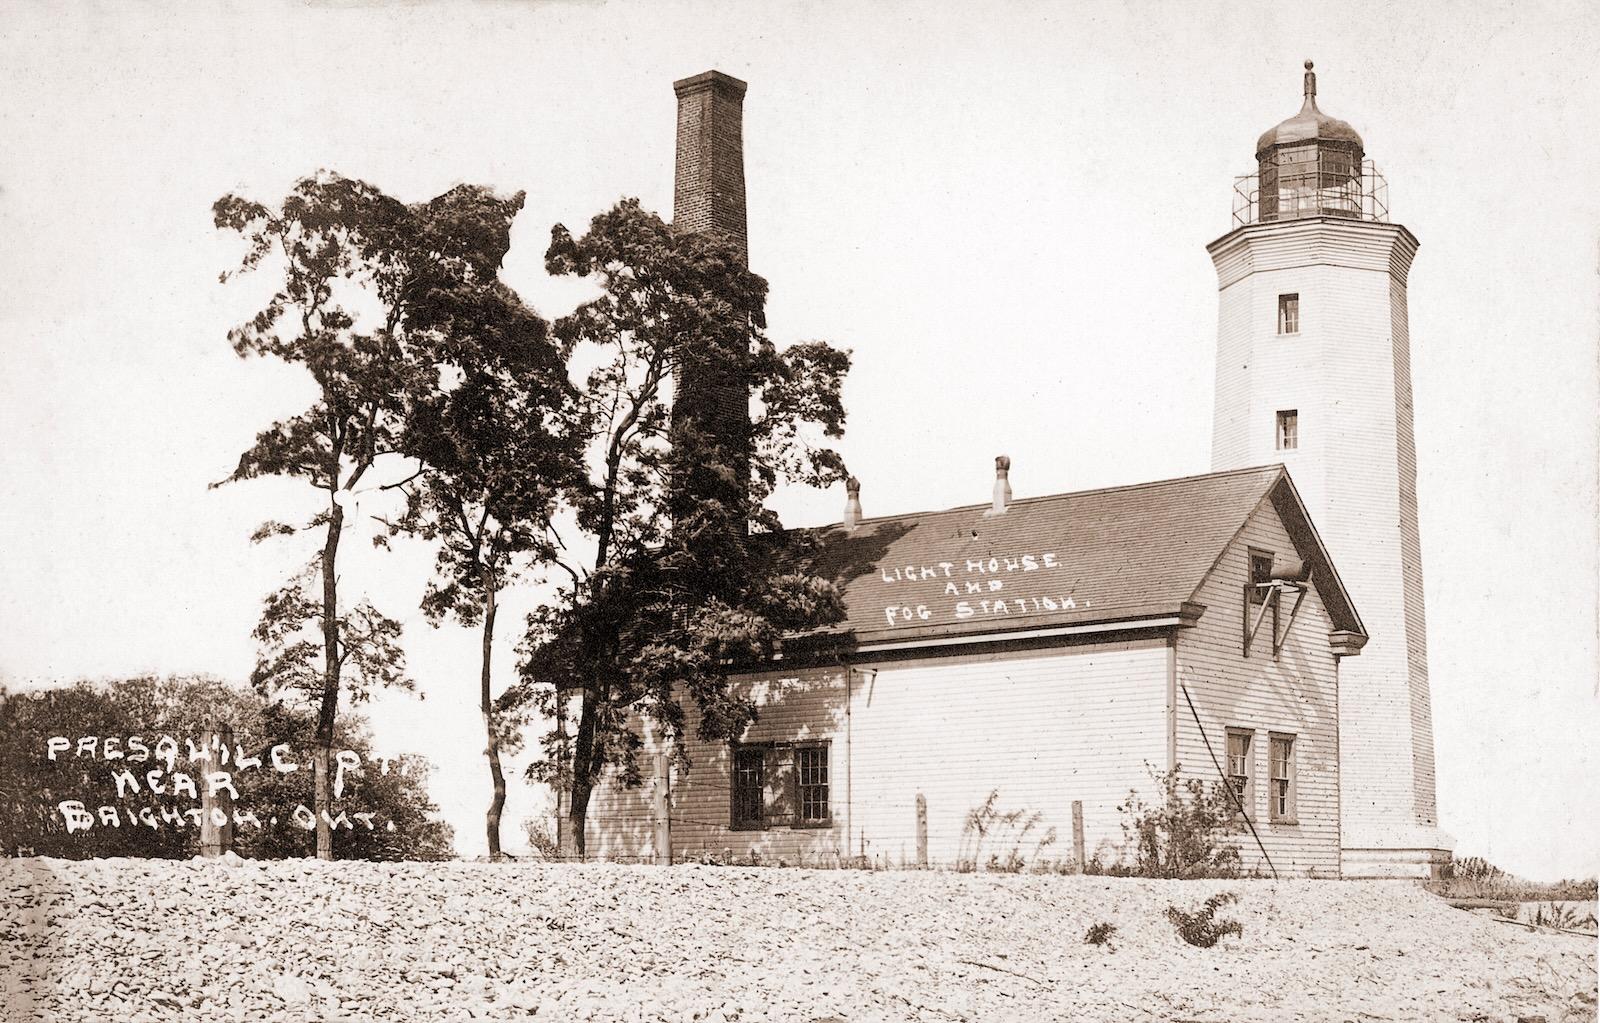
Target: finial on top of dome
[(1311, 83)]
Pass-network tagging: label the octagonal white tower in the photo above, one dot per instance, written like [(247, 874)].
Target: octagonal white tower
[(1314, 371)]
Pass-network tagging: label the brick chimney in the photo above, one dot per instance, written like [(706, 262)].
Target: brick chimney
[(708, 191), (712, 388)]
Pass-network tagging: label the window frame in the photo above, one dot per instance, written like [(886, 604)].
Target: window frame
[(735, 822), (1247, 798), (1286, 417), (800, 785), (769, 772), (1255, 597), (1288, 325), (1291, 812)]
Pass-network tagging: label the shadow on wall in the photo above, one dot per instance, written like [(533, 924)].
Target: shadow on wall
[(30, 977), (802, 717), (799, 707)]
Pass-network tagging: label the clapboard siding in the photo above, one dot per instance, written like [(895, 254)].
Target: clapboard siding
[(1360, 515), (801, 706), (793, 707), (1296, 694), (1039, 729), (1411, 559), (619, 824)]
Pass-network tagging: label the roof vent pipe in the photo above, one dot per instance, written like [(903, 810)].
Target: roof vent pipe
[(852, 503), (1002, 485)]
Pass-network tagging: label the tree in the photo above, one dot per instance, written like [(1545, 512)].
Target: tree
[(493, 433), (692, 575), (344, 245), (33, 784), (335, 237)]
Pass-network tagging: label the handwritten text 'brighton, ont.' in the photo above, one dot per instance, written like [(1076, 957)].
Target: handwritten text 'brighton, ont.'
[(210, 765)]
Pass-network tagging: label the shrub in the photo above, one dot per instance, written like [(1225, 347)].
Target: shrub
[(1473, 877), (1201, 928), (541, 836), (1189, 835), (1099, 934)]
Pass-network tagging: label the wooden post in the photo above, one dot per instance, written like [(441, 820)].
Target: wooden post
[(922, 831), (561, 821), (1077, 834), (663, 818), (216, 839)]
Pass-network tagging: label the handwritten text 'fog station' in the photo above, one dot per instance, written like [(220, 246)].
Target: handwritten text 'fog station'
[(978, 586)]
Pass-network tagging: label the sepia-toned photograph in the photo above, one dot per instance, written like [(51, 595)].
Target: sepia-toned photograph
[(810, 511)]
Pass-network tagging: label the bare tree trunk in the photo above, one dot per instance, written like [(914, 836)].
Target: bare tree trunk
[(492, 749), (582, 780), (322, 793)]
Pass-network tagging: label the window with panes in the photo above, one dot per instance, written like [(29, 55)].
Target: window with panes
[(1288, 429), (749, 787), (1239, 765), (1280, 759), (811, 779), (1289, 313)]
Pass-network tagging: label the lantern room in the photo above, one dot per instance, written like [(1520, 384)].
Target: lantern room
[(1311, 165)]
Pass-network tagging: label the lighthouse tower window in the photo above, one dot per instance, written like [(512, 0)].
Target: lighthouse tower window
[(1288, 429), (1289, 313)]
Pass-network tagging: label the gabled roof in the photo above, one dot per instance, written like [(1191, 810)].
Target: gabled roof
[(1097, 557)]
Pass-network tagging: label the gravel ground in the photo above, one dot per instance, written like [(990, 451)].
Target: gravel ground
[(296, 940)]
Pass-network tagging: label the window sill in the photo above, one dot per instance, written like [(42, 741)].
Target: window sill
[(1292, 822)]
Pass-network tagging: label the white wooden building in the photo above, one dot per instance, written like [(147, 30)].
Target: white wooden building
[(1058, 651)]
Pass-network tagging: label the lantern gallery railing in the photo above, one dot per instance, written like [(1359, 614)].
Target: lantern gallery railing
[(1315, 193)]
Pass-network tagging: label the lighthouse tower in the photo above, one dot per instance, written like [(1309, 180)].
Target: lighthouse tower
[(1314, 371)]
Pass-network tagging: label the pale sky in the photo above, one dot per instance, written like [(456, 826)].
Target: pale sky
[(1001, 208)]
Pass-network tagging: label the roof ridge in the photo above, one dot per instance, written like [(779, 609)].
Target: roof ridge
[(1067, 493)]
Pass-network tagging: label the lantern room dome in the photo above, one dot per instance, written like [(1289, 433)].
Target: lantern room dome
[(1309, 125)]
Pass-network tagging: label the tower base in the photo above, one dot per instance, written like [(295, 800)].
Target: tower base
[(1420, 853)]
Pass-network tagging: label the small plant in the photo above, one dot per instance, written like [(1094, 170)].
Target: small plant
[(1201, 928), (1099, 934), (1012, 864), (1552, 915), (1110, 860), (542, 839)]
